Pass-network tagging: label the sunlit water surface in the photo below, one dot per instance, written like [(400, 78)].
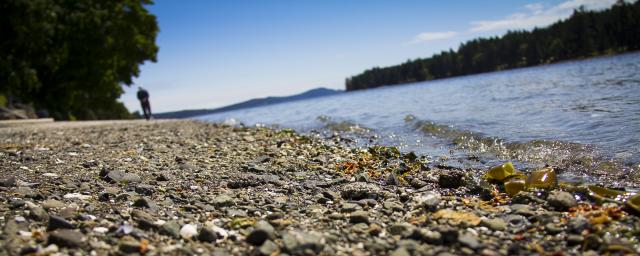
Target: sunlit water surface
[(581, 116)]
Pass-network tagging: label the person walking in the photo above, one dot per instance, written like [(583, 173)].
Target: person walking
[(143, 96)]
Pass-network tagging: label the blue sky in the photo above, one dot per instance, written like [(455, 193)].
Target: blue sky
[(215, 53)]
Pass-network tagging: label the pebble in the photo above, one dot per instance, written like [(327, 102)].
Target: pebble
[(56, 222), (400, 251), (469, 241), (359, 217), (268, 248), (561, 200), (494, 224), (188, 231), (207, 235), (170, 228), (67, 238)]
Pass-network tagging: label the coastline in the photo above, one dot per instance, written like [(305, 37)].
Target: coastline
[(189, 187)]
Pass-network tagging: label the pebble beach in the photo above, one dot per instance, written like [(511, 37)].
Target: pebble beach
[(195, 188)]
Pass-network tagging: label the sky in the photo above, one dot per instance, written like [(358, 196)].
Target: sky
[(216, 53)]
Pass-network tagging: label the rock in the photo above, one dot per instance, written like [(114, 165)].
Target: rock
[(359, 217), (360, 190), (449, 234), (298, 242), (552, 229), (146, 190), (573, 239), (8, 182), (417, 183), (67, 238), (363, 177), (393, 206), (144, 202), (207, 235), (431, 237), (522, 209), (188, 231), (391, 179), (403, 230), (451, 179), (38, 213), (222, 200), (349, 207), (561, 200), (261, 232), (400, 251), (494, 224), (578, 224), (144, 219), (52, 204), (170, 228), (469, 241), (120, 176), (268, 248), (129, 244), (429, 200), (56, 222), (331, 195)]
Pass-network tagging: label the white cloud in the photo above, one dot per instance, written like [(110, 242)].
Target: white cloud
[(432, 36), (538, 16)]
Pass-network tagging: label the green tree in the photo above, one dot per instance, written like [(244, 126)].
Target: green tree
[(72, 57)]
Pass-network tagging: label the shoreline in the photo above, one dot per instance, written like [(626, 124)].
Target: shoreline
[(189, 187)]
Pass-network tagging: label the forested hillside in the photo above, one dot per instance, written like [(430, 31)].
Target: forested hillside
[(584, 34)]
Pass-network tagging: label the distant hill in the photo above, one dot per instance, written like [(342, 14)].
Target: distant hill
[(260, 102)]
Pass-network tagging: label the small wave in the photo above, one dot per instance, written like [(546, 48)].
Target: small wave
[(575, 159), (341, 126)]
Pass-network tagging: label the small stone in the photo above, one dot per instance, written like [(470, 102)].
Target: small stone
[(38, 213), (261, 232), (188, 231), (120, 176), (522, 209), (207, 235), (552, 229), (494, 224), (222, 200), (8, 182), (573, 239), (145, 203), (170, 228), (561, 200), (451, 179), (417, 183), (349, 207), (449, 234), (146, 190), (331, 195), (578, 224), (403, 230), (469, 241), (393, 206), (129, 245), (268, 248), (391, 179), (429, 201), (52, 204), (56, 222), (431, 237), (66, 238), (359, 217), (400, 251)]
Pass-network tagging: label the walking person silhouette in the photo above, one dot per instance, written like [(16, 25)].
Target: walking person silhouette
[(143, 96)]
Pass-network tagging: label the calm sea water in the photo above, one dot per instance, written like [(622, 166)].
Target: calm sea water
[(581, 116)]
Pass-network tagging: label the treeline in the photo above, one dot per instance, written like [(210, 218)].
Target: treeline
[(69, 59), (584, 34)]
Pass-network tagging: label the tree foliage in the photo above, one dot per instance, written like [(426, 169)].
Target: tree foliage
[(584, 34), (71, 57)]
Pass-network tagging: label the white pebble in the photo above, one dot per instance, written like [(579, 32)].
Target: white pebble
[(187, 231)]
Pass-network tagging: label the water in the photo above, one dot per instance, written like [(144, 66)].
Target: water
[(582, 117)]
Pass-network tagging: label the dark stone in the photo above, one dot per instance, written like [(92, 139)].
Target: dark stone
[(257, 237), (56, 222), (8, 182), (66, 238), (146, 190), (207, 235), (449, 234), (359, 217), (120, 176), (451, 179), (392, 179), (145, 203)]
